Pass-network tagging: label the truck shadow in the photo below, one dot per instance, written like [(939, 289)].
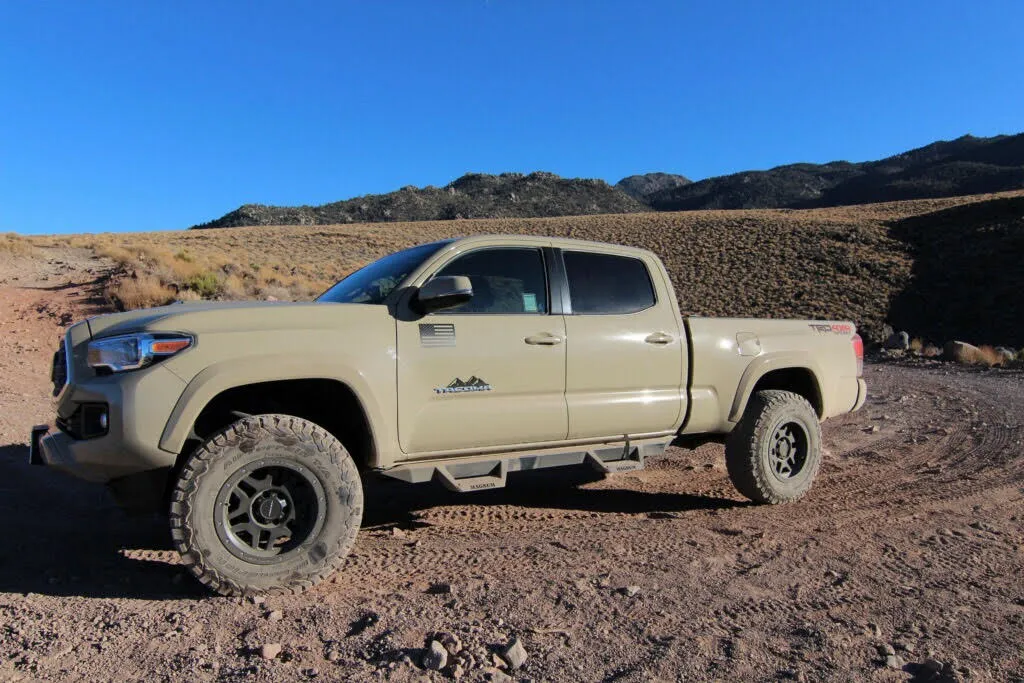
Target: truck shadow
[(390, 502), (65, 537)]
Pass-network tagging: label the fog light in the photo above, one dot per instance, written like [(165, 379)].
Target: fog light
[(89, 421)]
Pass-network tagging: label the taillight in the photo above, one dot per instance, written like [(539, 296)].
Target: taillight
[(858, 351)]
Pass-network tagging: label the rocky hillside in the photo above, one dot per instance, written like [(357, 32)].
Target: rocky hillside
[(643, 187), (474, 195), (967, 165)]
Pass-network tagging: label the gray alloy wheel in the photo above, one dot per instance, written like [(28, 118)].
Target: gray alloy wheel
[(271, 504), (774, 453)]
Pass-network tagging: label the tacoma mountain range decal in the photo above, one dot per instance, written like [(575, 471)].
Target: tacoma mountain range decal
[(458, 386)]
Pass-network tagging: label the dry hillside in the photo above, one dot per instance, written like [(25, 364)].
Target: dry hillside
[(923, 265)]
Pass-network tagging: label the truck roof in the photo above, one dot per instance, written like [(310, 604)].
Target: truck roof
[(561, 242)]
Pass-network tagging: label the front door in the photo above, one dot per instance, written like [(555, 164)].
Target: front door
[(489, 373)]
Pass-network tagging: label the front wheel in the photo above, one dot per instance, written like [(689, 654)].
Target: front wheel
[(774, 453), (272, 504)]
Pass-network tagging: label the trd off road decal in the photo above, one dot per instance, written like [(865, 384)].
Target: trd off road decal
[(437, 335), (457, 386), (837, 329)]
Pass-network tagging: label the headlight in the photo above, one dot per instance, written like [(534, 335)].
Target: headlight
[(134, 351)]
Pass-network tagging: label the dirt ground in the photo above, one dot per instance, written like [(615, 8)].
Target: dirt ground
[(904, 562)]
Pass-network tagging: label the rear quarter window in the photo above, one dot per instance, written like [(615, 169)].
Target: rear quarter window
[(607, 284)]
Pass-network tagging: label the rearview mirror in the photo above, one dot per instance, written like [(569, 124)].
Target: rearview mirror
[(445, 291)]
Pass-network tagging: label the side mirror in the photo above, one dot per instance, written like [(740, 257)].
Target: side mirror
[(445, 291)]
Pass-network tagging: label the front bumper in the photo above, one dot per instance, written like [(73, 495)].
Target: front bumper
[(139, 406)]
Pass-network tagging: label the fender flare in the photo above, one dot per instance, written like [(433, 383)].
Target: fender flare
[(220, 377), (761, 366)]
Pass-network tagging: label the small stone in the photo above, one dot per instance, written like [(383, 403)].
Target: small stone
[(496, 676), (875, 429), (458, 672), (631, 591), (514, 654), (275, 615), (398, 533), (270, 650), (333, 656), (894, 662), (450, 641), (436, 657), (440, 588), (932, 666), (257, 599), (885, 649)]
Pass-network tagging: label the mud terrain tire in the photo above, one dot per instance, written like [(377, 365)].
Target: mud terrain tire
[(270, 505), (774, 453)]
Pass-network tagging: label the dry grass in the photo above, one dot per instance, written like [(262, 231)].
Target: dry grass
[(834, 263), (16, 245), (141, 291), (987, 356)]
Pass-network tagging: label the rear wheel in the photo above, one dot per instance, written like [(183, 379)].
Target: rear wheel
[(774, 453), (270, 505)]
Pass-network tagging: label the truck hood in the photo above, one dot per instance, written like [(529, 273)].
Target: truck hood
[(211, 315)]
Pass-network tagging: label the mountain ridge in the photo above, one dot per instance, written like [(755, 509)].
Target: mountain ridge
[(945, 168)]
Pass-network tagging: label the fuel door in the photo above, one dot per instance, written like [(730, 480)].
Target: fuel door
[(748, 344)]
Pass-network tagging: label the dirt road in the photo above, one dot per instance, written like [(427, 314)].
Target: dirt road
[(903, 563)]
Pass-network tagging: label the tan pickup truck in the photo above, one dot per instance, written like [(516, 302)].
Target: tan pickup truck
[(457, 361)]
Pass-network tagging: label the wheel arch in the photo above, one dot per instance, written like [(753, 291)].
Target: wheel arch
[(216, 397), (796, 373)]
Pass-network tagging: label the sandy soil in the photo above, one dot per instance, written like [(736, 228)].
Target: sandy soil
[(902, 564)]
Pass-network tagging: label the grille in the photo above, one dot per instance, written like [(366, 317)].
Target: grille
[(59, 371)]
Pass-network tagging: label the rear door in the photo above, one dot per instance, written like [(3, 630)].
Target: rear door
[(624, 365), (491, 372)]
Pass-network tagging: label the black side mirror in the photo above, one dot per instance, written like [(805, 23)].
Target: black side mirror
[(445, 291)]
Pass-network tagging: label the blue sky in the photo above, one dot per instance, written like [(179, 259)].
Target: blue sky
[(158, 115)]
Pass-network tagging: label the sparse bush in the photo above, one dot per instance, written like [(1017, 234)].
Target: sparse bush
[(206, 285), (184, 256), (143, 291), (988, 357)]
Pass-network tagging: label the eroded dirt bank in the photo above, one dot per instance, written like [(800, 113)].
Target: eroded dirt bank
[(909, 548)]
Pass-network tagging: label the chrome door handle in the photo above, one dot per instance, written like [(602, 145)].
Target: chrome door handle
[(543, 339), (659, 338)]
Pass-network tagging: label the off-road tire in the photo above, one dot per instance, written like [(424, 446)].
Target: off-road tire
[(249, 444), (749, 447)]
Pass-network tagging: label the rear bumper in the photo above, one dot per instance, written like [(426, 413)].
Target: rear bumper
[(862, 394)]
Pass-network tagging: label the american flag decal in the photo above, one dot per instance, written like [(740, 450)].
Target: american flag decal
[(437, 335)]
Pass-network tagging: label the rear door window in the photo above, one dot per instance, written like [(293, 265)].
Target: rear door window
[(607, 284)]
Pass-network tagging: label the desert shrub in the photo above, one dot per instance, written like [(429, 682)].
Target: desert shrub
[(140, 292), (988, 356), (184, 256), (206, 285)]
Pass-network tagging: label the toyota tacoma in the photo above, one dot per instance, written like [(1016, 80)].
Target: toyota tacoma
[(459, 361)]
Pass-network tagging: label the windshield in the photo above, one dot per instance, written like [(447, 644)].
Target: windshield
[(372, 284)]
